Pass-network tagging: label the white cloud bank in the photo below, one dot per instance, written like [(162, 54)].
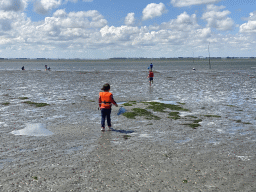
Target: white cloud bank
[(184, 3), (86, 34), (153, 10)]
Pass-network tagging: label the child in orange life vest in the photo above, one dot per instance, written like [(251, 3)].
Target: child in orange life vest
[(105, 103), (150, 76)]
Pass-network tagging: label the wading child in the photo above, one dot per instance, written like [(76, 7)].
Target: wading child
[(105, 103), (150, 76)]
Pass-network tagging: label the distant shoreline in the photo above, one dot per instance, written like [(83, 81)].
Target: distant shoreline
[(133, 60)]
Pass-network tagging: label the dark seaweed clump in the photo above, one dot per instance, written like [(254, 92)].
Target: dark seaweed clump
[(140, 112), (36, 104)]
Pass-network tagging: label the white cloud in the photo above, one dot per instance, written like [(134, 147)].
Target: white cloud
[(184, 3), (218, 19), (250, 26), (129, 19), (13, 5), (153, 10), (71, 25), (43, 6), (184, 22)]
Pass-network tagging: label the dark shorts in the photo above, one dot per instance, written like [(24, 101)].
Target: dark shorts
[(150, 78)]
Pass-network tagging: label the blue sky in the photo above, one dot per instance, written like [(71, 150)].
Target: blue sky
[(98, 29)]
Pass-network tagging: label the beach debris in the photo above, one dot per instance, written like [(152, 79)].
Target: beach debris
[(126, 137), (35, 177), (185, 181)]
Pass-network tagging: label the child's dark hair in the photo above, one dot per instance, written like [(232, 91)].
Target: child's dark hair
[(105, 87)]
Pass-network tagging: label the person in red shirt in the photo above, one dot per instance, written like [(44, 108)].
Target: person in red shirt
[(150, 76), (105, 102)]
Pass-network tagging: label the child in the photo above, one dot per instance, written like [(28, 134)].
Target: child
[(150, 76), (105, 103)]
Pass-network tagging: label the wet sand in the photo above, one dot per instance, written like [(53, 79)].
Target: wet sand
[(159, 155), (143, 162)]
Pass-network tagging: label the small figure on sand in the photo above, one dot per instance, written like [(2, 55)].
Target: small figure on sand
[(105, 102), (23, 68), (45, 67), (193, 69), (150, 76), (151, 66), (49, 68)]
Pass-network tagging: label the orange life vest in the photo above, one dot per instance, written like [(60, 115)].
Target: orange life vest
[(106, 99)]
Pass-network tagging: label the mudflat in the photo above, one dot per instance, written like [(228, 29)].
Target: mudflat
[(206, 142)]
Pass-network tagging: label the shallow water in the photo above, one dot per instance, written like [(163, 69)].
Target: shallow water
[(228, 90)]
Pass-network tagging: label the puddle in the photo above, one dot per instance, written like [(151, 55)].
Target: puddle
[(36, 129), (165, 102), (73, 149), (182, 141), (145, 135)]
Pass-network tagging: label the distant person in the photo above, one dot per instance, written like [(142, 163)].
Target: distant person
[(45, 67), (105, 102), (49, 68), (150, 76), (151, 66), (193, 69), (23, 68)]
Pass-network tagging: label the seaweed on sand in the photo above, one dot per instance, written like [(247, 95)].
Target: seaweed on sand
[(130, 103), (140, 112), (212, 116), (192, 125), (23, 98), (174, 115), (160, 107), (36, 104)]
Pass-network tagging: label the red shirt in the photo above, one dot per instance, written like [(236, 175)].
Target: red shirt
[(151, 74)]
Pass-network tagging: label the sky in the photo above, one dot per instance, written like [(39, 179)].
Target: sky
[(101, 29)]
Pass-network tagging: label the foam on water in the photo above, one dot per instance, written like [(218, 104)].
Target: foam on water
[(36, 129)]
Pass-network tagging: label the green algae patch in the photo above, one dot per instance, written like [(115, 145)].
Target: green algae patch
[(197, 121), (160, 107), (140, 112), (174, 115), (192, 125), (191, 116), (130, 115), (130, 103), (127, 104), (23, 98), (239, 121), (36, 104), (212, 116), (6, 103)]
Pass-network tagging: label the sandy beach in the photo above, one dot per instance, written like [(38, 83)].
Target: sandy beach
[(141, 154)]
